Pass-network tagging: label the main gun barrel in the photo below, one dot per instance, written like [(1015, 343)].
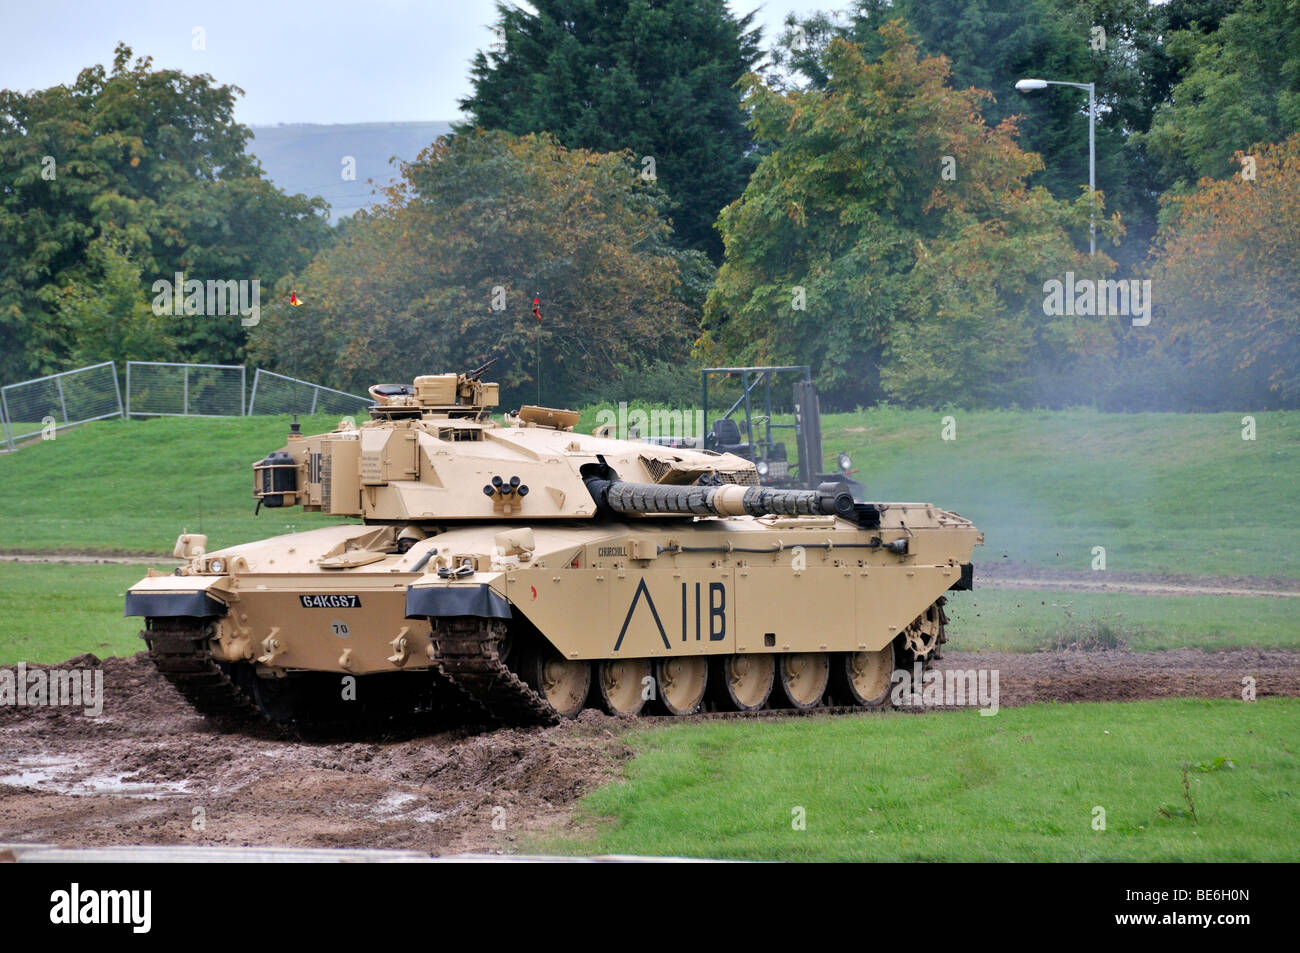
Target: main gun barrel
[(636, 499)]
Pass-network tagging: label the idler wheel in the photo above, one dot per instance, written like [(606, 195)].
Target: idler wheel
[(922, 641)]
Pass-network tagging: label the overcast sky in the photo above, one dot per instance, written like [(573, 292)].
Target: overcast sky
[(325, 61)]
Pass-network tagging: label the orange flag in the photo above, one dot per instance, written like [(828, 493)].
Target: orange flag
[(537, 309), (294, 299)]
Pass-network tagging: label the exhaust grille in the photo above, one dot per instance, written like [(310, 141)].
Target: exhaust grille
[(662, 471), (742, 477), (655, 467)]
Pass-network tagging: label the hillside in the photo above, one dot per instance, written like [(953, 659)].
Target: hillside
[(307, 158), (1163, 493), (118, 486)]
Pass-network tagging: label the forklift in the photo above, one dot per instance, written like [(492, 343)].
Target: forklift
[(749, 428)]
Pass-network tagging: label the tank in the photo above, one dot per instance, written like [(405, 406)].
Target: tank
[(517, 572)]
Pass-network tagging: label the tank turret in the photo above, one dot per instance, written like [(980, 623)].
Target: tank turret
[(431, 451)]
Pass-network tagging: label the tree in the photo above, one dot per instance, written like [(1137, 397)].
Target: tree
[(1239, 84), (656, 77), (990, 44), (150, 166), (108, 314), (888, 238), (444, 275), (1229, 291)]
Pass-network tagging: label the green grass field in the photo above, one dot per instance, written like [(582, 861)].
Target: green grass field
[(1019, 786), (49, 612), (133, 486), (1006, 620), (1161, 492)]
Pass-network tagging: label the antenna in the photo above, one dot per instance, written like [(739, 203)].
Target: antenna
[(537, 311)]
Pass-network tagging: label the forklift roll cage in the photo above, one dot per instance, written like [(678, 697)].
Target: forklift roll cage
[(756, 385)]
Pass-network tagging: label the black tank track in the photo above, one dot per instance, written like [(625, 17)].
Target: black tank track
[(467, 651), (179, 649)]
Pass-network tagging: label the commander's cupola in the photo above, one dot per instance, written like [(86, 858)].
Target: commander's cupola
[(436, 395)]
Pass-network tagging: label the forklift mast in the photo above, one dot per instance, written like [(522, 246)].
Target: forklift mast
[(808, 431)]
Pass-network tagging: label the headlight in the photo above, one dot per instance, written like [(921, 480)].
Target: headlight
[(845, 461), (762, 467), (217, 565)]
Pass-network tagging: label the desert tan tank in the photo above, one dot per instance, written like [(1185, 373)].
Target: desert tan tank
[(520, 572)]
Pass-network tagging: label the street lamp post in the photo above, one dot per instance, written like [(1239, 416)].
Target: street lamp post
[(1028, 86)]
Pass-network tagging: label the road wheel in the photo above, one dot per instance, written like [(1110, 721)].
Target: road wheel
[(621, 685), (803, 677), (864, 678), (564, 683), (681, 683), (744, 682)]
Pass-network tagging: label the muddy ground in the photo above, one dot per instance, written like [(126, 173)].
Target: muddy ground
[(150, 771)]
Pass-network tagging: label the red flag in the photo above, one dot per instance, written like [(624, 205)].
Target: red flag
[(294, 299), (537, 309)]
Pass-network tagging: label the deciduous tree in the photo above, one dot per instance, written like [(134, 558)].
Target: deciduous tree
[(1238, 84), (445, 274), (889, 239), (150, 165), (1227, 285)]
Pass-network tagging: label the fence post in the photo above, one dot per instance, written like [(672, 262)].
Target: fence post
[(126, 415), (243, 383), (253, 396), (34, 409)]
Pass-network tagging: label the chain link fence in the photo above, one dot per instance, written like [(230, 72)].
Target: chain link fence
[(47, 404), (155, 389), (276, 394)]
